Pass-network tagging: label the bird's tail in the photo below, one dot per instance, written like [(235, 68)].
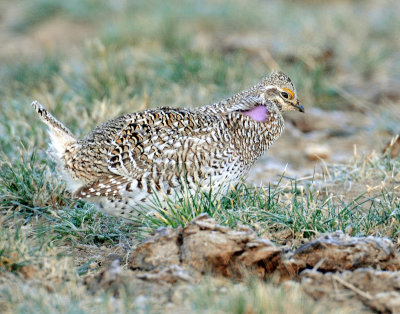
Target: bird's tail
[(61, 137)]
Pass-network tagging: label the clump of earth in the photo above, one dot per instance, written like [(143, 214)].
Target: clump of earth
[(365, 269)]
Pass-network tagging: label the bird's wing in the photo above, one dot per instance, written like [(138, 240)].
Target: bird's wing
[(155, 138), (150, 142)]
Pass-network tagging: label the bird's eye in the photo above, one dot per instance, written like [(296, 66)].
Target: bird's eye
[(288, 94)]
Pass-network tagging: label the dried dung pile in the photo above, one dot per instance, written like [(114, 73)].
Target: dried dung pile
[(334, 266)]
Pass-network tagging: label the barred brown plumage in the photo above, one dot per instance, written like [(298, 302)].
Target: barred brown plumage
[(123, 161)]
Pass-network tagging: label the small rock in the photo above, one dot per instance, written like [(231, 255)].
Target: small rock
[(349, 230), (316, 152)]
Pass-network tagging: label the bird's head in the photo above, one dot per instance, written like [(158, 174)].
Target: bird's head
[(279, 89), (274, 92)]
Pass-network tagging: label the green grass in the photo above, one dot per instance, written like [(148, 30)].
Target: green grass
[(22, 75), (299, 209), (30, 189), (28, 186), (38, 11)]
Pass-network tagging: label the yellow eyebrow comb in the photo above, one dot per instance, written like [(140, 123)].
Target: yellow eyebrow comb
[(289, 91)]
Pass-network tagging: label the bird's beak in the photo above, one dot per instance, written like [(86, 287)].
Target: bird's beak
[(299, 107)]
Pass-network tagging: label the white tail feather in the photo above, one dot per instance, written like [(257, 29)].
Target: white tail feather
[(60, 136)]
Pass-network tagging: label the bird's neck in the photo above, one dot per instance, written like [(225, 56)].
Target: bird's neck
[(227, 105), (252, 138)]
